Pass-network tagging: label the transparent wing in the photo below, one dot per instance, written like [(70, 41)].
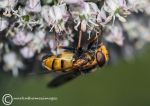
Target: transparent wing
[(63, 78)]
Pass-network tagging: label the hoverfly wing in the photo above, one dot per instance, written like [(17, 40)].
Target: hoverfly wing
[(63, 78)]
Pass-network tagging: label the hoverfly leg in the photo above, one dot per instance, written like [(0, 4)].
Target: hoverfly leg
[(79, 40), (81, 72), (92, 41), (66, 48)]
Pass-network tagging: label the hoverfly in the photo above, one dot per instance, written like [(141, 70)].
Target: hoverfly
[(75, 61)]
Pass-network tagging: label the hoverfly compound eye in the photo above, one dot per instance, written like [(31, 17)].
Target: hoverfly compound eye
[(100, 57)]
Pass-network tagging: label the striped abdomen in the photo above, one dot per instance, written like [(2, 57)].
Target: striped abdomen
[(63, 62)]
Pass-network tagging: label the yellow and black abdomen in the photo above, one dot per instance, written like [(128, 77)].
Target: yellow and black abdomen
[(63, 62), (60, 64)]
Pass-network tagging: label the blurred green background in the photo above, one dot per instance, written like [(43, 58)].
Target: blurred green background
[(121, 84)]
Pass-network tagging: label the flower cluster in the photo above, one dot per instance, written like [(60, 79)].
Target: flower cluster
[(31, 28)]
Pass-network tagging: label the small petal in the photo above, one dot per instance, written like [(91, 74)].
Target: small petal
[(33, 6), (27, 52), (122, 19), (3, 24)]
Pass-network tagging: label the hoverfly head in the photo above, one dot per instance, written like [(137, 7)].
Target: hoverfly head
[(101, 55)]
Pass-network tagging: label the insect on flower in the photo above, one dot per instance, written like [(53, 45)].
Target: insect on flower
[(75, 61)]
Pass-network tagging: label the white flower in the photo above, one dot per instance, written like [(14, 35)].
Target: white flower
[(147, 9), (33, 6), (38, 40), (130, 27), (8, 3), (64, 42), (8, 6), (134, 32), (37, 43), (146, 6), (116, 8), (12, 62), (22, 38), (24, 19), (141, 33), (3, 24), (55, 16), (77, 2), (115, 35), (53, 45), (137, 5), (70, 34), (145, 33), (27, 52), (85, 15)]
